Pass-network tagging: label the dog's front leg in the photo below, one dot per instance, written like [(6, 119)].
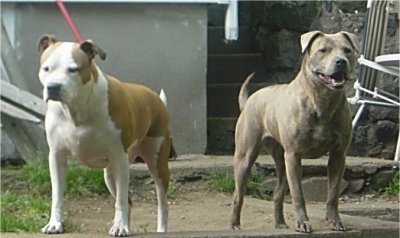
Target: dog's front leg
[(336, 165), (120, 170), (294, 173), (57, 167)]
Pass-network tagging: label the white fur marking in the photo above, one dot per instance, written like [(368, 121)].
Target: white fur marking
[(163, 97)]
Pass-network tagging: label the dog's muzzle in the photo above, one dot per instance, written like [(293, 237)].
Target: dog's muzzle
[(53, 91), (337, 79)]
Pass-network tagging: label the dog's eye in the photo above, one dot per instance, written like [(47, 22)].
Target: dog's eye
[(46, 69), (73, 69), (322, 50), (347, 50)]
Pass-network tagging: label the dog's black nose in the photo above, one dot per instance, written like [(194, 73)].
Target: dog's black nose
[(53, 88), (341, 62)]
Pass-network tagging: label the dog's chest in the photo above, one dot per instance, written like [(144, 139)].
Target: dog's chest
[(319, 136), (92, 144)]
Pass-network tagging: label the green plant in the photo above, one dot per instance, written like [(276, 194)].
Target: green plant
[(143, 227), (79, 179), (26, 213), (171, 192), (393, 187), (225, 182)]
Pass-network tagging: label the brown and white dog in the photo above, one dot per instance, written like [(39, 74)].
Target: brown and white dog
[(104, 123), (306, 118)]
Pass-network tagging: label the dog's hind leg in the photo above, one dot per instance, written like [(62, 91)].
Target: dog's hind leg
[(246, 152), (281, 187), (336, 166), (155, 151)]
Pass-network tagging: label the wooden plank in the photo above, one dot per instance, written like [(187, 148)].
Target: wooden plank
[(22, 99), (17, 113), (28, 138), (10, 61), (26, 146)]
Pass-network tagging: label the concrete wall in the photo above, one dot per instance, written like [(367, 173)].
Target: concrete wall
[(158, 45)]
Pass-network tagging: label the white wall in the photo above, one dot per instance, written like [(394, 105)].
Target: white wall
[(159, 45)]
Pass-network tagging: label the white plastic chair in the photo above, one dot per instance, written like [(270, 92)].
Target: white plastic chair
[(372, 61)]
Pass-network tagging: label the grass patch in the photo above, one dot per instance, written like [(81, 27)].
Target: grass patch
[(79, 179), (27, 207), (26, 213), (393, 186), (224, 182), (172, 191), (22, 213)]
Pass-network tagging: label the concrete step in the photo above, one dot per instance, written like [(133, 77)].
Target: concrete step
[(222, 99), (218, 45), (234, 68)]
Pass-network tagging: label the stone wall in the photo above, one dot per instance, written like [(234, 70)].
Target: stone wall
[(363, 178), (276, 28)]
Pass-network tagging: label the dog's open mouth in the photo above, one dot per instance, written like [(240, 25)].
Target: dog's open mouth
[(335, 81)]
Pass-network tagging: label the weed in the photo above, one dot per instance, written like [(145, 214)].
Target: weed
[(79, 180), (26, 213), (393, 186), (22, 212), (171, 192), (143, 227), (225, 182)]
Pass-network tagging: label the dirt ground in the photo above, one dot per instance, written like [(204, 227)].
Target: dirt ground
[(194, 207)]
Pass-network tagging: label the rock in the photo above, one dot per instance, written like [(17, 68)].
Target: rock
[(315, 188), (280, 49), (351, 6), (268, 186), (356, 185), (385, 130), (381, 179), (371, 169), (293, 11)]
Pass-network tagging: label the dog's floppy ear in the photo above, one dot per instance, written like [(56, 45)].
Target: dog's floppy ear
[(91, 50), (353, 39), (307, 38), (44, 42)]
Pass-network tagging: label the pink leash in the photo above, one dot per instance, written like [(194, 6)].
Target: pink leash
[(69, 20)]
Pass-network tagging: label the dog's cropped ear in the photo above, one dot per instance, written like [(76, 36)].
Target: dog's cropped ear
[(91, 50), (44, 42), (353, 39), (307, 38)]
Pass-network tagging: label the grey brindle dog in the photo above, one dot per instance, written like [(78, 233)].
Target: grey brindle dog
[(306, 118)]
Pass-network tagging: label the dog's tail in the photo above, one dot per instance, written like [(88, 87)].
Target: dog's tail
[(244, 91), (163, 97), (172, 152)]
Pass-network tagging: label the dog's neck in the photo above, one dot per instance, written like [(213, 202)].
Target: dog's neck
[(325, 100), (86, 105)]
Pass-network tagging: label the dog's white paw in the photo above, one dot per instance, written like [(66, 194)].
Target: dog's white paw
[(53, 227), (120, 230)]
